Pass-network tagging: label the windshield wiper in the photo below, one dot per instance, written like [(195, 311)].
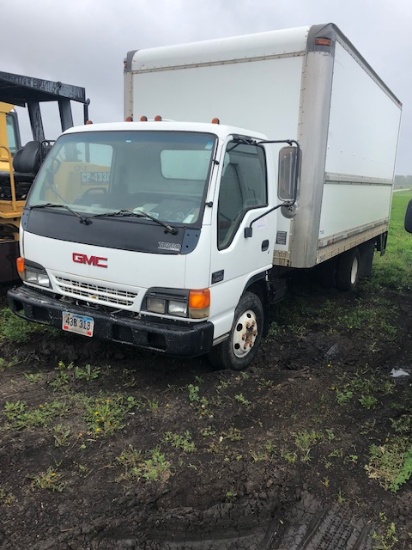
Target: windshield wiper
[(138, 214), (83, 219)]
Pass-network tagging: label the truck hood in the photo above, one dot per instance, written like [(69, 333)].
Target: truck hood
[(87, 271)]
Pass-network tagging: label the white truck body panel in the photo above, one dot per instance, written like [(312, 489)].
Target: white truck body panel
[(363, 126), (195, 93), (231, 78), (57, 256), (361, 152), (238, 48), (361, 206)]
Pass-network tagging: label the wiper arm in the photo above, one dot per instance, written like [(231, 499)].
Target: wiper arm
[(83, 219), (137, 214), (170, 228)]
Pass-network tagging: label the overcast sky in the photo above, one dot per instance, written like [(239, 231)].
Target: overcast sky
[(84, 42)]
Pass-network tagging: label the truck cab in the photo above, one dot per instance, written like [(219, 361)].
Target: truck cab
[(137, 231)]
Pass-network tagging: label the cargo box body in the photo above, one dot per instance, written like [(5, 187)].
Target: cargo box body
[(307, 84)]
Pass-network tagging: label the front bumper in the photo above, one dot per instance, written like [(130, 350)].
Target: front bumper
[(173, 339)]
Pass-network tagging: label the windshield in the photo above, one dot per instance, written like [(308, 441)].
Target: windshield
[(163, 174)]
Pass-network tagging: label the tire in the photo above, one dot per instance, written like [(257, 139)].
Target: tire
[(238, 351), (348, 269), (367, 253), (325, 273)]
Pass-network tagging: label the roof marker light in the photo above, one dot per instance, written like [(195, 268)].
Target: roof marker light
[(129, 119), (321, 41), (89, 122), (158, 118), (143, 118), (215, 120)]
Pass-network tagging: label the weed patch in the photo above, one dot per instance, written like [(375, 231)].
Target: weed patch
[(19, 416), (51, 480), (6, 496), (16, 330), (180, 441), (149, 466), (106, 414), (391, 464)]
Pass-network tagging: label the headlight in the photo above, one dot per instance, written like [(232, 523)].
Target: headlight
[(32, 273), (193, 304), (177, 308), (156, 305), (35, 277), (162, 303)]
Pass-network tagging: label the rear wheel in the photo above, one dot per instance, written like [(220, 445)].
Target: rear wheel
[(239, 350), (348, 268)]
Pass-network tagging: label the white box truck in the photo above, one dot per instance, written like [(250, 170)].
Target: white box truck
[(176, 232)]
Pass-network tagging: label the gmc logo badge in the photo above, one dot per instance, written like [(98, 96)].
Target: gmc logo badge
[(97, 261)]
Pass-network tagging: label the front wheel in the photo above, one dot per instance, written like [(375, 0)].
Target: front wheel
[(239, 350)]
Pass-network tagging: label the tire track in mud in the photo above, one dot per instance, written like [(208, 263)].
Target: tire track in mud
[(308, 526), (313, 527)]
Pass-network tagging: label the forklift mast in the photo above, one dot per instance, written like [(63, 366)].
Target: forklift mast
[(27, 91), (19, 165)]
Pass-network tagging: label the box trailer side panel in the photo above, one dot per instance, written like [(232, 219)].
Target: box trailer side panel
[(364, 123), (361, 153), (350, 124), (263, 95), (195, 77)]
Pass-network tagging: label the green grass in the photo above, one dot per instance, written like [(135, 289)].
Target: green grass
[(149, 466), (391, 463), (51, 480), (107, 413), (180, 441), (394, 269), (21, 416), (16, 330)]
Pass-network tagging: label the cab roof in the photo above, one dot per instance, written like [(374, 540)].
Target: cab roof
[(220, 130)]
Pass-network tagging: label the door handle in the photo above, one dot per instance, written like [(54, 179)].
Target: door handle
[(265, 245)]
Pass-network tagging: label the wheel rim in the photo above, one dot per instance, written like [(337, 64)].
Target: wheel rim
[(354, 271), (245, 334)]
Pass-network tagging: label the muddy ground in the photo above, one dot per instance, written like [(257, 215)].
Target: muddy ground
[(105, 447)]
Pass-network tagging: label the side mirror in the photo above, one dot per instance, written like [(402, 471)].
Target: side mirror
[(408, 217), (288, 173)]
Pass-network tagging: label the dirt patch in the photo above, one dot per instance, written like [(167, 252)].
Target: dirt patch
[(105, 447)]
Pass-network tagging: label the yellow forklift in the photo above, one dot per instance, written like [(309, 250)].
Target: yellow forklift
[(19, 165)]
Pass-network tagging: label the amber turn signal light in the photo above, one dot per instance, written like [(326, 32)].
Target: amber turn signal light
[(199, 303), (20, 265)]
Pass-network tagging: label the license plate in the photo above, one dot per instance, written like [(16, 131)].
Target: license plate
[(81, 324)]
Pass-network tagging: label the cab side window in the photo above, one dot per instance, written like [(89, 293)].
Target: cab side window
[(243, 187)]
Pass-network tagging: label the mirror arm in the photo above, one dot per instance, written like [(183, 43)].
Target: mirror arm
[(248, 231)]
